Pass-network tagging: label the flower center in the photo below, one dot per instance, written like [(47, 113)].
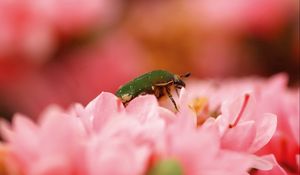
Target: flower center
[(238, 118), (200, 107)]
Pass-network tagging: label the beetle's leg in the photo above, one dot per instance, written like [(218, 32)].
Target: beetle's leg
[(161, 91), (164, 84), (158, 91), (176, 90), (171, 97)]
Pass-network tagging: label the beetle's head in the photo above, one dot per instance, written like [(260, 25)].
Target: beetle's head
[(178, 82)]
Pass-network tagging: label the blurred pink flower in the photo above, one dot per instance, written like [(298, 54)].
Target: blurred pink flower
[(53, 146), (39, 64), (258, 16), (32, 30), (285, 143), (106, 133), (44, 148), (78, 77)]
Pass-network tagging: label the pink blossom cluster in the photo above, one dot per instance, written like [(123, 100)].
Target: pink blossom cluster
[(248, 126)]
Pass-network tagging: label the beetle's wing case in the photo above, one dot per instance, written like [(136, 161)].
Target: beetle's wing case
[(144, 84)]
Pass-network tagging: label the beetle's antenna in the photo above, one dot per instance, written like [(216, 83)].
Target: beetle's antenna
[(185, 75)]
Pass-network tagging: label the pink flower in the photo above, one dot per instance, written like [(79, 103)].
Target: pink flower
[(198, 151), (121, 135), (246, 131), (106, 138), (50, 147), (246, 123), (285, 143), (103, 134), (252, 128), (240, 128)]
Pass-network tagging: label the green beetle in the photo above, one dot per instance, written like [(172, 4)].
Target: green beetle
[(158, 82)]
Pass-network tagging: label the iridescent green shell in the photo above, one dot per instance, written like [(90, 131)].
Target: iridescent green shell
[(143, 84)]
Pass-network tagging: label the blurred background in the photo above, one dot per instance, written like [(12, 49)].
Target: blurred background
[(66, 51)]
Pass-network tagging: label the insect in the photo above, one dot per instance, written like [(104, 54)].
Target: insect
[(157, 82)]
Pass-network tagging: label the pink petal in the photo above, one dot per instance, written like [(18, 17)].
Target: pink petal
[(183, 96), (78, 110), (117, 156), (184, 121), (186, 144), (231, 108), (121, 126), (6, 131), (185, 110), (51, 165), (222, 123), (24, 127), (143, 107), (233, 161), (240, 137), (63, 133), (294, 123), (210, 123), (265, 129), (261, 163), (103, 108), (278, 81), (166, 115), (242, 107), (25, 138), (276, 169)]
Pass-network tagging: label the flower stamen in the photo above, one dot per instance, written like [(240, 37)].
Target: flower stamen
[(201, 108)]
